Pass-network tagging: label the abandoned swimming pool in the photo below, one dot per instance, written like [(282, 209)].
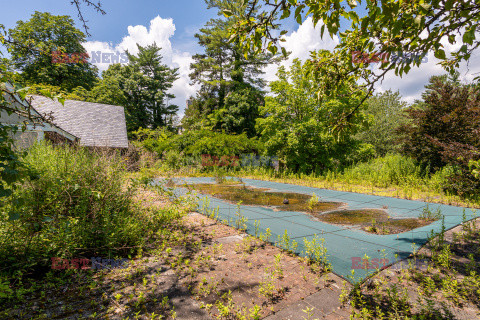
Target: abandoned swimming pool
[(345, 242)]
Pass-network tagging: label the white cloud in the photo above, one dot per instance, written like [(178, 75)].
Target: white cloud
[(160, 31), (411, 85), (307, 38), (300, 42)]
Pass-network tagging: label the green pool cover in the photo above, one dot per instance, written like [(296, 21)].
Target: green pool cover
[(345, 245)]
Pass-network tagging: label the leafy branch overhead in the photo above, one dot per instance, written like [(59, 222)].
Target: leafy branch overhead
[(371, 27)]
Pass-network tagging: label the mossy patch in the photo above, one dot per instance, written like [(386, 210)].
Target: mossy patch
[(262, 197), (375, 221), (354, 217), (372, 220)]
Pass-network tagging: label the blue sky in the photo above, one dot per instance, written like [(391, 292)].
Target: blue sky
[(188, 15), (172, 25)]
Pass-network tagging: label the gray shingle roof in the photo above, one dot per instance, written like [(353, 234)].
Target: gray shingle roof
[(95, 124)]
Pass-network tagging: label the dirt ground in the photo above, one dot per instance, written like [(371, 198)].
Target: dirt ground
[(207, 270)]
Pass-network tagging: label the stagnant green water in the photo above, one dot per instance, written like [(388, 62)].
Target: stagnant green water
[(370, 220), (261, 197)]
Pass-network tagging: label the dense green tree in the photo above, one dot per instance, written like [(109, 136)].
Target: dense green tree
[(197, 108), (297, 127), (230, 80), (387, 110), (444, 129), (32, 44), (240, 109), (141, 87), (154, 79)]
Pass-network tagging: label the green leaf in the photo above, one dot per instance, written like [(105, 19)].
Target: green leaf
[(353, 16), (364, 23), (440, 54), (298, 18), (12, 216), (418, 20), (352, 3), (227, 13), (285, 14), (298, 12), (273, 49), (469, 35)]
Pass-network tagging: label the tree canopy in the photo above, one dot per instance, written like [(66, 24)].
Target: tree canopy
[(298, 128), (230, 81), (388, 113), (32, 44), (141, 87), (444, 129)]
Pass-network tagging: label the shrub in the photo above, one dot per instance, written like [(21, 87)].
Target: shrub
[(445, 130), (74, 203), (151, 140), (196, 142), (222, 144)]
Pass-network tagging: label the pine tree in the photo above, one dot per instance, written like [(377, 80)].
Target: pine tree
[(223, 70), (141, 87)]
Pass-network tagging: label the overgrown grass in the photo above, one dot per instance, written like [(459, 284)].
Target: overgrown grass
[(391, 170), (73, 203)]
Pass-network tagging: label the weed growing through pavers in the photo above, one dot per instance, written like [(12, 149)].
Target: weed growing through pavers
[(266, 236), (269, 288), (240, 219), (249, 244), (278, 270), (309, 312), (249, 255), (286, 243), (446, 289), (316, 254)]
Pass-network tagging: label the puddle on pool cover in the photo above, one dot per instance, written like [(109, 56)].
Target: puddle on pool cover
[(372, 220), (375, 221), (262, 197)]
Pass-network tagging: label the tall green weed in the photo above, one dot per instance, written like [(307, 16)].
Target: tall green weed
[(73, 203)]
